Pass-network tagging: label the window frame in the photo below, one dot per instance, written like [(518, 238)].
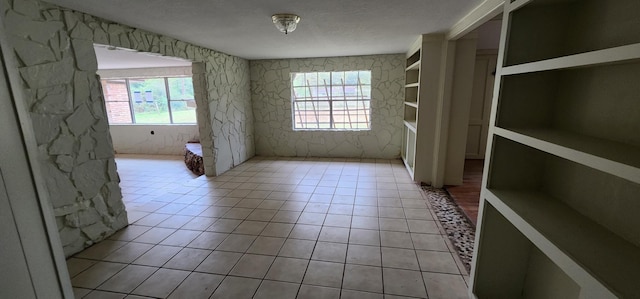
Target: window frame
[(165, 80), (331, 100)]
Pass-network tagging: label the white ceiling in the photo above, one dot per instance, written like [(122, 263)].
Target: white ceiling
[(243, 27)]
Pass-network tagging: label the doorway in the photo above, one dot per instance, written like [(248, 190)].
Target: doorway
[(150, 105), (467, 195)]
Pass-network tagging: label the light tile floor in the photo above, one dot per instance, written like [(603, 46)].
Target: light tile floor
[(271, 228)]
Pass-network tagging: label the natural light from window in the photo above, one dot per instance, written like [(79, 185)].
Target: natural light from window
[(163, 100), (331, 100)]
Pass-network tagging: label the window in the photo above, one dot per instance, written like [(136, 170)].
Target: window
[(331, 100), (166, 100)]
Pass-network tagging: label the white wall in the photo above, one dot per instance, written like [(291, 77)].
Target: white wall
[(166, 140), (271, 97), (489, 35), (460, 101)]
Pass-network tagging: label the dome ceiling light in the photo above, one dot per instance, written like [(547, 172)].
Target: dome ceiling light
[(285, 22)]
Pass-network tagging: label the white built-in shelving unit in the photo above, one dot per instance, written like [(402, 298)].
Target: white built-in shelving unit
[(561, 190), (423, 73), (411, 100)]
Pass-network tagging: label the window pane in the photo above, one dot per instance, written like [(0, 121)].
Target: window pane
[(149, 101), (365, 77), (183, 112), (311, 79), (313, 92), (334, 100), (324, 78), (337, 92), (351, 92), (351, 77), (181, 89), (183, 104), (299, 92), (297, 79), (337, 78), (323, 106), (323, 92)]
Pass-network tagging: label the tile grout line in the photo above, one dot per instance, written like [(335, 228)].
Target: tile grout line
[(289, 190)]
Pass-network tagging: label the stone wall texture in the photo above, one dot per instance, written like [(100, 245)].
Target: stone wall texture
[(54, 51), (271, 96)]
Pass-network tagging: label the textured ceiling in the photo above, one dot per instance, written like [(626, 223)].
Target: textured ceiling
[(243, 27)]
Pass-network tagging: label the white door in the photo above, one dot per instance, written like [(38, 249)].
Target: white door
[(484, 76)]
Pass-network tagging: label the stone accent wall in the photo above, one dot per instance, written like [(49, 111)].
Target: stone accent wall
[(204, 117), (54, 51), (231, 111), (271, 96)]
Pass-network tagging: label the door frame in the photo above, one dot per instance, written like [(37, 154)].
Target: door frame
[(492, 57), (25, 188)]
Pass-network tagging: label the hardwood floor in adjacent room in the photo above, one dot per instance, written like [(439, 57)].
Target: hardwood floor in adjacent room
[(467, 195)]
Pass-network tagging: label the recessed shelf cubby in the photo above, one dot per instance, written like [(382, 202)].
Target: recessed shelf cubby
[(411, 94), (523, 267), (412, 76), (587, 109), (413, 59), (410, 114), (544, 29), (568, 207), (561, 192)]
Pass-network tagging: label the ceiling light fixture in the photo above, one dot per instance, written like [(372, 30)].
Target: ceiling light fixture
[(285, 22)]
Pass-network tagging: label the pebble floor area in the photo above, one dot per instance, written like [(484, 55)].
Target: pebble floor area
[(458, 227)]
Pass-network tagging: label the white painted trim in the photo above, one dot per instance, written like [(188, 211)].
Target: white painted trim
[(605, 56), (145, 72), (484, 12), (45, 212)]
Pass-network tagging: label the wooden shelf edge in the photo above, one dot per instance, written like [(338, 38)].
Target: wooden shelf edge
[(577, 244), (592, 58), (412, 85), (412, 104), (412, 125), (598, 161), (414, 66)]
